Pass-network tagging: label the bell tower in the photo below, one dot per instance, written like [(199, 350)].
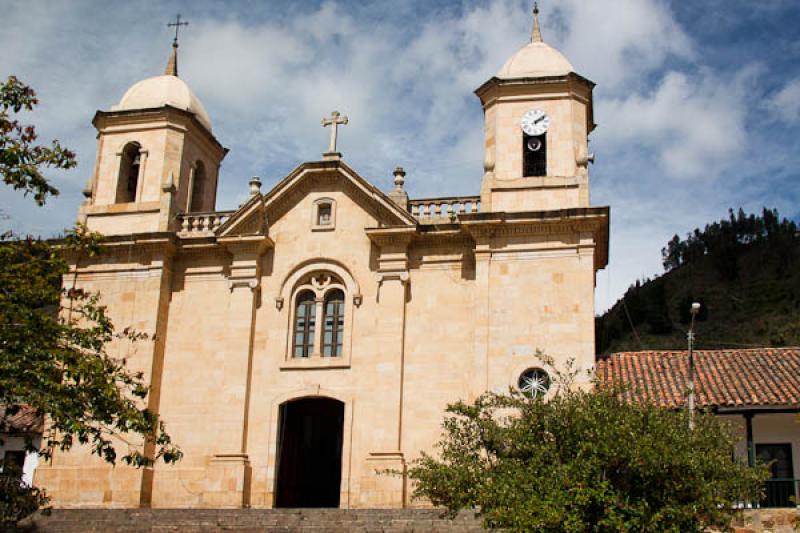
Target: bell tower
[(538, 116), (156, 157)]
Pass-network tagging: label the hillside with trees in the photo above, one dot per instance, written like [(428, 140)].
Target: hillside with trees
[(744, 272)]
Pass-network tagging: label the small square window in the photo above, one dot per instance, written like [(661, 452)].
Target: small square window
[(324, 214)]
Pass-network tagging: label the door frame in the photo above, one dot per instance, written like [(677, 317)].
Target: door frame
[(347, 438)]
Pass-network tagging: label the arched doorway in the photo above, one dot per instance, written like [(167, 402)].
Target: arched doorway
[(309, 454)]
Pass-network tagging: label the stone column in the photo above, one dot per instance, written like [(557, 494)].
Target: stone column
[(141, 177), (190, 189)]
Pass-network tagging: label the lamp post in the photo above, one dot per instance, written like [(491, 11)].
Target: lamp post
[(690, 337)]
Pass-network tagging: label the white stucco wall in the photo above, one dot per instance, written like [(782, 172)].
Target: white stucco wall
[(16, 443)]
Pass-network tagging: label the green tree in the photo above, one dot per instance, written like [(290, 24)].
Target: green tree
[(585, 461), (53, 335), (21, 160)]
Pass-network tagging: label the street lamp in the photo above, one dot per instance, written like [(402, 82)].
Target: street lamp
[(690, 337)]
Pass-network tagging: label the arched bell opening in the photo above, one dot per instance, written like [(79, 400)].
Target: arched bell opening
[(198, 189), (128, 180)]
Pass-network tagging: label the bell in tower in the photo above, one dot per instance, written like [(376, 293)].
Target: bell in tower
[(538, 116)]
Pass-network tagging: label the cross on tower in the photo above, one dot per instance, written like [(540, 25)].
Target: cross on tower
[(334, 122), (177, 25)]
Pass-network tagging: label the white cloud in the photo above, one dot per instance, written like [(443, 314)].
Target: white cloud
[(785, 104), (617, 42), (694, 125), (404, 75)]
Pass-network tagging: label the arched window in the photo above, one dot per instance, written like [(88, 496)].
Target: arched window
[(197, 192), (320, 321), (333, 321), (128, 181), (305, 319)]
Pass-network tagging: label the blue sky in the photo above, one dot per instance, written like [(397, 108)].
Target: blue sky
[(698, 103)]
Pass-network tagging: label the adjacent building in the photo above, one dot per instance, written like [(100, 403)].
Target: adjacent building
[(757, 390)]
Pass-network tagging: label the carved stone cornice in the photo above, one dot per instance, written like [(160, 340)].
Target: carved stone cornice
[(246, 244), (157, 118), (163, 243), (588, 220), (394, 237), (442, 238), (123, 254)]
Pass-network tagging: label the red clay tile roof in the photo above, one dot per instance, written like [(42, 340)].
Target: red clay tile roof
[(724, 378), (23, 421)]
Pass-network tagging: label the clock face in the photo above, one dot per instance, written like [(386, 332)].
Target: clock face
[(535, 122)]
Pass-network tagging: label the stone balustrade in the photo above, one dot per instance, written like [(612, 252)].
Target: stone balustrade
[(444, 209), (201, 224)]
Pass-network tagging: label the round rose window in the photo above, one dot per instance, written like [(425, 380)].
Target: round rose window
[(534, 382)]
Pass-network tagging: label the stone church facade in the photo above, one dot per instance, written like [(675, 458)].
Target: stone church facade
[(313, 337)]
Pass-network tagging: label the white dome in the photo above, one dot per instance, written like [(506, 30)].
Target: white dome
[(537, 59), (160, 91)]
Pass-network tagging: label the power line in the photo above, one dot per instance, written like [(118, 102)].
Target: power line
[(633, 328)]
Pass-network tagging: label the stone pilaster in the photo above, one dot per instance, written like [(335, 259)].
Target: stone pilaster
[(161, 266), (228, 475), (385, 447), (479, 380), (166, 218)]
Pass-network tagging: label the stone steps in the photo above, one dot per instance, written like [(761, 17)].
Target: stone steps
[(249, 521)]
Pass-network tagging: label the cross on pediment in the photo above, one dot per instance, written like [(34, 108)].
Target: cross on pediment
[(334, 121)]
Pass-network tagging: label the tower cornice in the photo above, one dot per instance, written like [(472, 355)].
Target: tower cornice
[(103, 119), (494, 81)]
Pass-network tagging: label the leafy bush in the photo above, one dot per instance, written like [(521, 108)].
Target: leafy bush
[(585, 461)]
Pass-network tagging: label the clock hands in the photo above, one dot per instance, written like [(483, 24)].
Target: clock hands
[(535, 122)]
